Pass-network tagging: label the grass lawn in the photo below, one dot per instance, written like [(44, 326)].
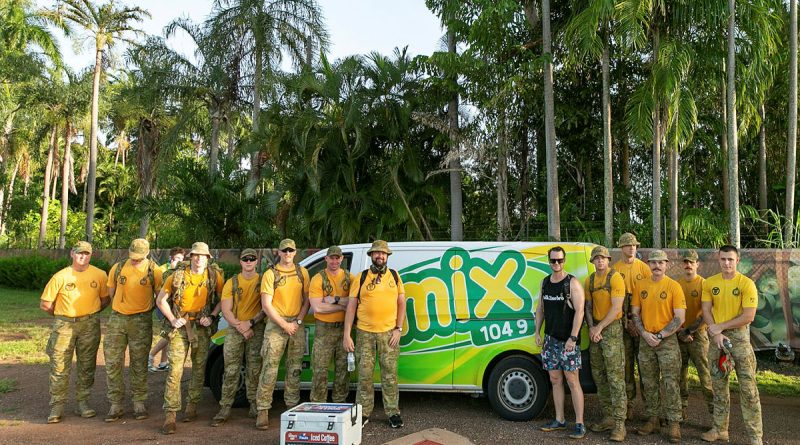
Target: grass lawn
[(24, 328)]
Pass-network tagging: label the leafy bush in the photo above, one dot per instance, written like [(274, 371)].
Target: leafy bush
[(33, 272)]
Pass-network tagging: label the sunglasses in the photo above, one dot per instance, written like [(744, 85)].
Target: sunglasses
[(556, 260), (287, 250), (248, 259)]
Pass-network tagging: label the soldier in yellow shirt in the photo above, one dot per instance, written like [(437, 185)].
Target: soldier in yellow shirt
[(74, 296), (692, 338), (659, 309), (328, 296), (132, 285), (633, 270), (284, 298), (190, 301), (730, 300), (379, 299), (241, 307)]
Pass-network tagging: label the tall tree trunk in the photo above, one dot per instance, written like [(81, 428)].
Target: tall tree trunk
[(723, 145), (66, 174), (149, 140), (656, 198), (46, 189), (456, 199), (91, 180), (503, 223), (674, 174), (608, 177), (791, 143), (553, 210), (762, 160), (255, 157), (213, 155), (9, 197), (625, 177), (733, 137)]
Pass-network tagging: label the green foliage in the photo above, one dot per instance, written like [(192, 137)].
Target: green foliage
[(33, 272), (7, 385)]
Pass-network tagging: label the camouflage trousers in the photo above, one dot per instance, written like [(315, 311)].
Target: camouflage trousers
[(659, 369), (179, 348), (608, 371), (276, 341), (631, 359), (235, 349), (749, 399), (134, 332), (81, 337), (328, 345), (369, 346), (697, 352)]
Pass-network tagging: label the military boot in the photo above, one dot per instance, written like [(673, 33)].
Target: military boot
[(84, 410), (604, 425), (221, 416), (56, 412), (115, 413), (262, 420), (631, 414), (253, 413), (674, 432), (652, 426), (139, 411), (169, 423), (618, 433), (713, 435), (190, 415)]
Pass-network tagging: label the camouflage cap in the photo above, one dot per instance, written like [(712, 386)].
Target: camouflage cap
[(600, 251), (627, 239), (334, 251), (690, 255), (200, 248), (658, 255), (287, 244), (139, 249), (724, 365), (380, 246), (82, 247), (248, 252)]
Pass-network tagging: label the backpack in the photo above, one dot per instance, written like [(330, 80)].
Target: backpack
[(278, 276), (567, 291), (150, 273), (179, 285), (237, 295), (364, 279), (327, 286), (606, 285)]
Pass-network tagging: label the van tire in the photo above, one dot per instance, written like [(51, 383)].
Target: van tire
[(518, 389), (215, 383)]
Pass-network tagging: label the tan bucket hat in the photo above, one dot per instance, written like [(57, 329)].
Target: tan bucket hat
[(139, 249), (627, 239), (600, 251), (658, 255), (380, 246), (200, 248)]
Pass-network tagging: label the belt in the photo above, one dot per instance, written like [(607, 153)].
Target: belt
[(334, 324), (74, 319), (138, 314)]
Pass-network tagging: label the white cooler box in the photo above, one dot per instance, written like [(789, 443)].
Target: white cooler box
[(322, 423)]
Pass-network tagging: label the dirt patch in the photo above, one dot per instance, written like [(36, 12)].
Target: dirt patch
[(14, 336)]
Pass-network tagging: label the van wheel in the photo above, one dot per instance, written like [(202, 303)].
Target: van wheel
[(215, 383), (518, 388)]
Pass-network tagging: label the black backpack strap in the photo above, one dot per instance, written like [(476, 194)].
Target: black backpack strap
[(361, 284), (567, 293)]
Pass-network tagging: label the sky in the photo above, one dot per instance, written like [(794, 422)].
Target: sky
[(355, 26)]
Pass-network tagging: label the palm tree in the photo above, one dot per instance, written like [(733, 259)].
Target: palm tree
[(791, 142), (107, 24), (266, 29), (553, 211), (733, 137)]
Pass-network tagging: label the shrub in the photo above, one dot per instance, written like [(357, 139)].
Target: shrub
[(33, 272)]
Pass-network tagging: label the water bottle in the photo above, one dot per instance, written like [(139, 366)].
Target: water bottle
[(351, 362)]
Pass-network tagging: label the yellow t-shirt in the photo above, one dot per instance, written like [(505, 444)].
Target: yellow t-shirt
[(729, 297), (287, 295), (134, 293), (657, 300), (600, 297), (377, 308), (195, 293), (692, 291), (339, 288), (248, 301), (76, 293), (633, 273)]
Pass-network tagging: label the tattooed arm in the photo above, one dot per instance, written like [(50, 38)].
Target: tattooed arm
[(637, 319), (675, 324), (587, 313)]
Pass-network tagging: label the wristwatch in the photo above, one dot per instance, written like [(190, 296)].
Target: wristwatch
[(573, 338), (299, 322), (398, 328), (659, 336), (252, 322), (336, 300)]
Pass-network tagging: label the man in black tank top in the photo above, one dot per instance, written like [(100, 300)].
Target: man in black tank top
[(561, 309)]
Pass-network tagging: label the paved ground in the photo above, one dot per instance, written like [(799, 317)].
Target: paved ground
[(23, 413)]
